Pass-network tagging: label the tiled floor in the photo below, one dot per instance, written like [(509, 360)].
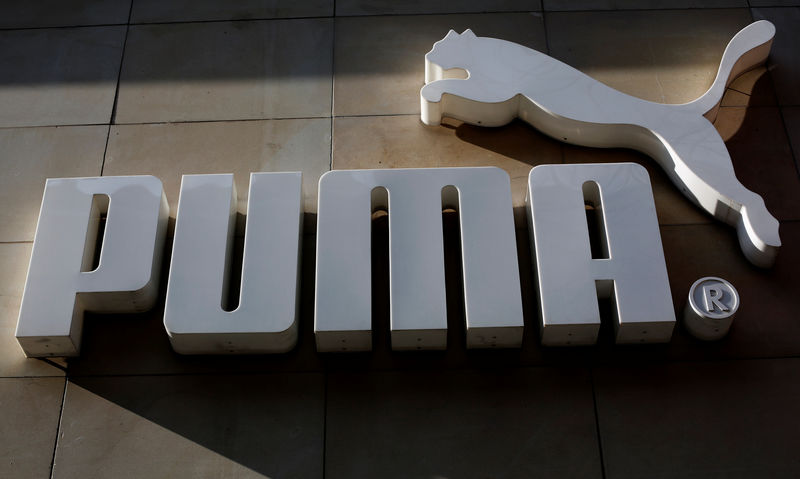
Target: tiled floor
[(118, 87)]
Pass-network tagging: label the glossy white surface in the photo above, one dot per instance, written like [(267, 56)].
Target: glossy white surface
[(61, 285), (504, 80), (710, 309), (266, 319), (343, 304), (569, 280)]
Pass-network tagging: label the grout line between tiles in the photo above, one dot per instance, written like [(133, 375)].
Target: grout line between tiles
[(330, 167), (60, 27), (221, 120), (367, 115), (324, 424), (546, 36), (105, 150), (113, 116), (231, 20), (644, 10), (314, 17), (119, 72), (333, 99), (58, 428), (20, 127), (466, 367), (597, 424), (287, 118), (789, 141)]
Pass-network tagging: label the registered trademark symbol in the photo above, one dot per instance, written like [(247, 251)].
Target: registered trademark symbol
[(711, 305)]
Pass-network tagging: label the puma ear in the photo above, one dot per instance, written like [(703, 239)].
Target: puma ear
[(468, 33)]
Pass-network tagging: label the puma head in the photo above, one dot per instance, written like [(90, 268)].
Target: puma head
[(449, 52)]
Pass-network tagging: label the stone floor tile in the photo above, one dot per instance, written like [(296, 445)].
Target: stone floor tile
[(663, 56), (137, 344), (506, 423), (171, 150), (762, 157), (405, 142), (14, 259), (226, 71), (62, 13), (571, 5), (28, 156), (192, 426), (731, 419), (64, 76), (147, 11), (784, 60), (380, 61), (791, 116), (387, 7), (31, 408)]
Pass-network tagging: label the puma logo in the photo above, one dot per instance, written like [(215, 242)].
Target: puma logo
[(505, 80)]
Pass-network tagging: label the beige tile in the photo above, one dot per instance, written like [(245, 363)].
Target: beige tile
[(28, 156), (405, 142), (226, 71), (784, 60), (388, 7), (380, 61), (31, 408), (192, 426), (59, 76), (243, 147), (671, 206), (566, 5), (663, 56), (762, 157), (62, 13), (146, 11)]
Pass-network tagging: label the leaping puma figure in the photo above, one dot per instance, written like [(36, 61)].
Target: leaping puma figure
[(506, 80)]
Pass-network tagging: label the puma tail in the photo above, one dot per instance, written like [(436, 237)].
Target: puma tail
[(747, 49)]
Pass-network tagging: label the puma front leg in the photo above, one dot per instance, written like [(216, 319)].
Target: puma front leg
[(467, 101)]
